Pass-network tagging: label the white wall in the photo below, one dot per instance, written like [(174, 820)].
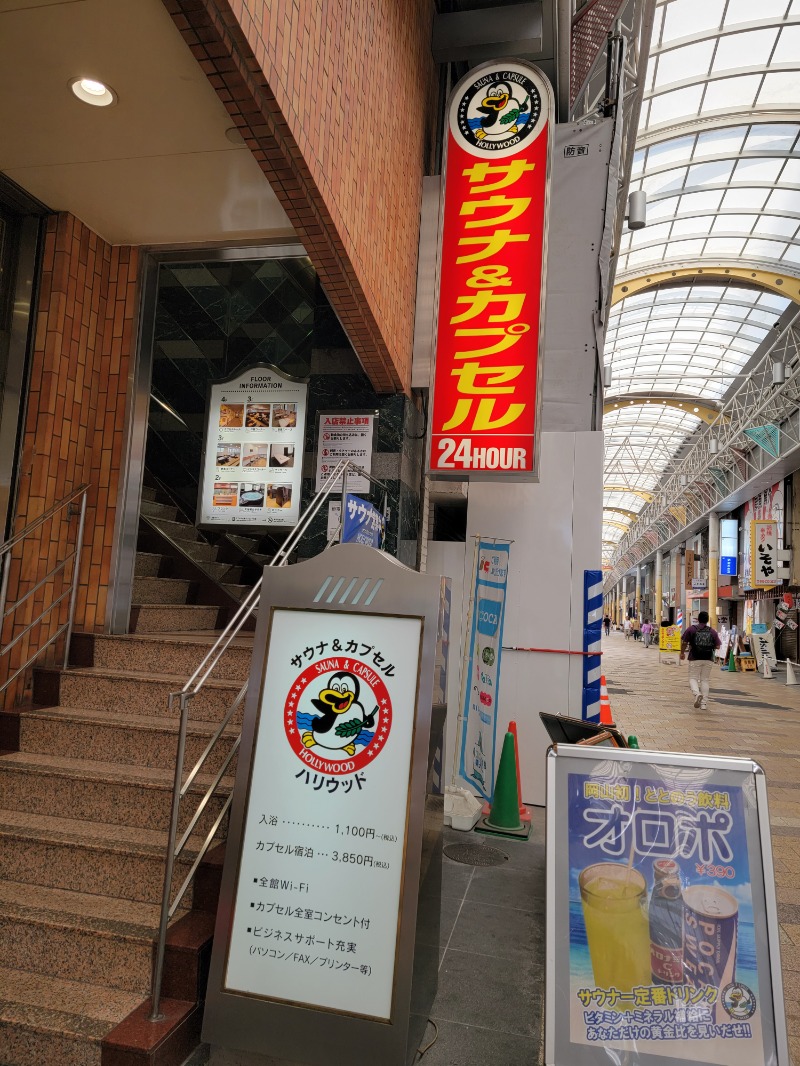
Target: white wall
[(556, 528)]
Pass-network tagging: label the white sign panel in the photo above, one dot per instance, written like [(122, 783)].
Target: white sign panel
[(317, 902), (344, 435), (334, 520), (253, 461)]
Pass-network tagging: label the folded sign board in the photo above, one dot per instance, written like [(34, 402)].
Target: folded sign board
[(491, 273)]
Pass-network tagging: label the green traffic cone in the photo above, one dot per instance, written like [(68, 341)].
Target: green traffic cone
[(732, 662), (633, 741), (504, 816)]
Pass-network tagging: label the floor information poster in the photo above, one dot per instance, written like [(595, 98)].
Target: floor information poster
[(317, 901), (668, 953), (253, 460)]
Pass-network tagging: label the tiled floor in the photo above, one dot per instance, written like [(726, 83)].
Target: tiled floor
[(747, 716)]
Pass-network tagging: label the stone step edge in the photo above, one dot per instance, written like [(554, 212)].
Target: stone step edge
[(197, 727), (179, 680), (58, 907), (65, 766)]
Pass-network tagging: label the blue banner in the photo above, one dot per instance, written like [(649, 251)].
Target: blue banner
[(482, 665), (362, 523)]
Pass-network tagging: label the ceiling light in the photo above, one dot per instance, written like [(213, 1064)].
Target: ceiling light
[(696, 410), (90, 91)]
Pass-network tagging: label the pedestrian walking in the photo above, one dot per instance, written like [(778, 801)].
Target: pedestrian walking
[(636, 626), (607, 624), (701, 642), (626, 625), (647, 632)]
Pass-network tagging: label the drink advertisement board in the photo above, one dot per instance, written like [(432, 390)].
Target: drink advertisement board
[(662, 875), (481, 667), (252, 467), (669, 644)]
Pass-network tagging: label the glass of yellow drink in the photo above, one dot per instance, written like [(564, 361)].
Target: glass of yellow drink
[(613, 897)]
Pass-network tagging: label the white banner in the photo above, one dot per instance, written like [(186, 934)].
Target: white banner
[(481, 666)]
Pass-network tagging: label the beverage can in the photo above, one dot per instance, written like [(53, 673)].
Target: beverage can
[(710, 925)]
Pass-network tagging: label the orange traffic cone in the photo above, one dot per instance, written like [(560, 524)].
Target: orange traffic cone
[(606, 717)]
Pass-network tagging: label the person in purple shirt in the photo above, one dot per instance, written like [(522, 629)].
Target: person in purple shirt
[(701, 642)]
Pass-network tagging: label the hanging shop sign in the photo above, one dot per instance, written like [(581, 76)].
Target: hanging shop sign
[(763, 553), (662, 931), (766, 506), (316, 930), (491, 283), (345, 435), (252, 467), (363, 523), (728, 546), (481, 667)]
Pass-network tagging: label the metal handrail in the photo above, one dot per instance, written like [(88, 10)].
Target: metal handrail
[(71, 591), (201, 674)]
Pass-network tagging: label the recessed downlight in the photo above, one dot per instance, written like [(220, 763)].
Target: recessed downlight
[(91, 91)]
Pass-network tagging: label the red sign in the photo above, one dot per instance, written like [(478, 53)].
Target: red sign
[(491, 278)]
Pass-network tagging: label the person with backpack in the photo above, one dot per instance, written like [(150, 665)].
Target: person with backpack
[(607, 624), (701, 642)]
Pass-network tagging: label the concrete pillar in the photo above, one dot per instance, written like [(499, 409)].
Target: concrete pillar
[(658, 609), (638, 601), (713, 567)]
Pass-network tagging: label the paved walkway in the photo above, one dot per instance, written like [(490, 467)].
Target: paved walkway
[(747, 716)]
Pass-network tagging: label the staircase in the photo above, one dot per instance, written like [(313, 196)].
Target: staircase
[(85, 791)]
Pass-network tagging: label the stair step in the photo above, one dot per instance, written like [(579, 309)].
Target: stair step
[(50, 1021), (159, 510), (137, 797), (147, 564), (173, 617), (91, 857), (238, 591), (133, 693), (181, 655), (148, 492), (221, 572), (160, 590), (70, 934), (121, 737)]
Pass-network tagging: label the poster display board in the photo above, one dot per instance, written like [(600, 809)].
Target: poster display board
[(363, 523), (766, 506), (326, 867), (662, 922), (491, 278), (252, 467), (345, 435), (323, 839), (669, 644), (481, 667), (728, 547)]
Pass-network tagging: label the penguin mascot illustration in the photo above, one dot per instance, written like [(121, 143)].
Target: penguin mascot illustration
[(341, 717), (500, 112)]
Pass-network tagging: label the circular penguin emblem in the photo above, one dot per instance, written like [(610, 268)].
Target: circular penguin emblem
[(338, 722), (739, 1001), (497, 112)]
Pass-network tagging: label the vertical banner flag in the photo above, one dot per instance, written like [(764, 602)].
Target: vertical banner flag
[(592, 625), (763, 554), (491, 291), (482, 666)]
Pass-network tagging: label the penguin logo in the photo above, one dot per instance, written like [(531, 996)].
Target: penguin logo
[(341, 719), (338, 716), (498, 110)]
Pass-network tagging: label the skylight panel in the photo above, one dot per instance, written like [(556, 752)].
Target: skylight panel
[(646, 255), (791, 172), (773, 138), (758, 170), (749, 49), (668, 181), (792, 254), (684, 249), (761, 249), (675, 150), (734, 223), (684, 16), (699, 202), (681, 64), (746, 11), (727, 141), (788, 50), (747, 199), (785, 201), (662, 208), (717, 172), (677, 104), (729, 93), (724, 246), (772, 300), (779, 227), (782, 87)]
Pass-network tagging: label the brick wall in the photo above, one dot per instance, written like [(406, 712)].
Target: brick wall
[(75, 418), (337, 100)]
